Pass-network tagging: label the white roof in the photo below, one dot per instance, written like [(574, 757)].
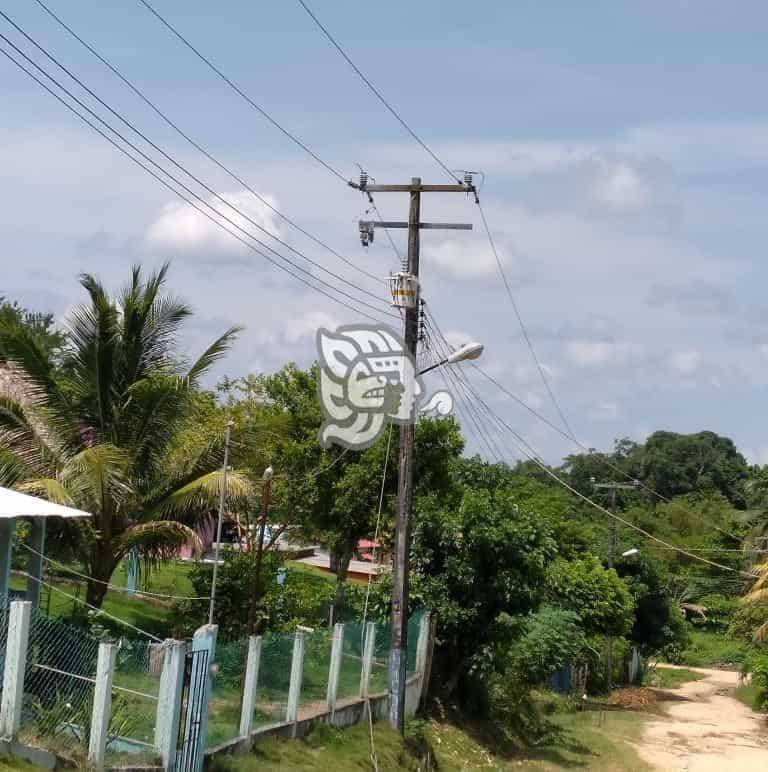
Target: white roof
[(15, 504)]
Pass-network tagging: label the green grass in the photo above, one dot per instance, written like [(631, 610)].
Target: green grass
[(12, 763), (714, 650), (589, 741), (669, 678), (749, 694)]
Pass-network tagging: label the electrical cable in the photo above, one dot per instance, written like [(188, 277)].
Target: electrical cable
[(174, 190), (528, 451), (136, 90), (91, 606), (192, 176), (520, 321), (117, 587), (242, 93), (377, 93)]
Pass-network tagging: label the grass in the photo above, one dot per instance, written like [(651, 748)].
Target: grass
[(671, 678), (714, 650), (749, 694), (598, 742), (12, 763)]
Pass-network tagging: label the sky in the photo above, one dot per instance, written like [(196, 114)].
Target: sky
[(624, 148)]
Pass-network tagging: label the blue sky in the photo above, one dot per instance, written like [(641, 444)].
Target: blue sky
[(625, 147)]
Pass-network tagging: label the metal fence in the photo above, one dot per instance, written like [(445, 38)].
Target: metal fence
[(127, 702)]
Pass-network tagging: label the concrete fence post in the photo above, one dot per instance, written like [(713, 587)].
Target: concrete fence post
[(201, 683), (102, 704), (334, 671), (15, 668), (422, 643), (297, 671), (250, 685), (169, 701), (369, 648), (36, 566)]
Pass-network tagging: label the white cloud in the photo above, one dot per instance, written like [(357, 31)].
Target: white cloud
[(459, 260), (180, 227), (621, 187), (685, 362), (589, 353), (306, 326)]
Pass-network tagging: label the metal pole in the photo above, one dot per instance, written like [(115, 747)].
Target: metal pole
[(399, 640), (611, 561), (256, 589), (222, 499)]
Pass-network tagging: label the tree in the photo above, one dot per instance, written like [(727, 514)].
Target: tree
[(596, 594), (675, 464), (97, 432), (475, 556), (40, 326)]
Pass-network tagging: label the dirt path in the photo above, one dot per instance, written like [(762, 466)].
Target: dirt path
[(706, 730)]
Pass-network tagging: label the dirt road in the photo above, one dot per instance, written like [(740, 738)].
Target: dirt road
[(706, 730)]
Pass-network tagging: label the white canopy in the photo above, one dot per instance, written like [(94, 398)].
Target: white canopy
[(15, 504)]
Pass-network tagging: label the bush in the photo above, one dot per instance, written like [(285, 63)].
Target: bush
[(303, 598), (746, 619), (758, 666), (719, 612)]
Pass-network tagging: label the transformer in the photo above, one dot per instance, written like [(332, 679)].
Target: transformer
[(405, 289)]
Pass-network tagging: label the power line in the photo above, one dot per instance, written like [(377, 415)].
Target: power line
[(117, 587), (75, 599), (173, 189), (376, 92), (568, 436), (520, 321), (237, 178), (528, 451), (192, 176), (242, 94)]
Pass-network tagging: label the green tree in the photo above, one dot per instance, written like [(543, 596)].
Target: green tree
[(601, 600), (37, 325), (675, 464), (96, 432)]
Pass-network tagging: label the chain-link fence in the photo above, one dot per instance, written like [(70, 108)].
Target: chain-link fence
[(274, 678), (58, 685), (135, 691), (226, 692)]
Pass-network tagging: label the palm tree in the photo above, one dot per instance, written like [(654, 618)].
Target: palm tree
[(98, 430), (759, 592)]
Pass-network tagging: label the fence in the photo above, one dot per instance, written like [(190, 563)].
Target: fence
[(134, 702)]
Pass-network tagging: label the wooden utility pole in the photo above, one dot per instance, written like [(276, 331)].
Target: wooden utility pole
[(256, 587), (402, 547), (613, 486)]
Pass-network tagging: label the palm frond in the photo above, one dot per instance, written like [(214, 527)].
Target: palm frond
[(202, 494), (756, 596), (212, 354), (760, 635), (157, 540), (48, 489), (99, 476)]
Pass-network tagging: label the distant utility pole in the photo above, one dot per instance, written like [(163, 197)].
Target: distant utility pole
[(406, 297), (613, 486)]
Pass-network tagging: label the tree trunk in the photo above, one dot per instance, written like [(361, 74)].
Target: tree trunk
[(340, 566), (101, 571)]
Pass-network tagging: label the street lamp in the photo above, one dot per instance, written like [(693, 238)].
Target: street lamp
[(630, 553), (401, 555), (471, 350)]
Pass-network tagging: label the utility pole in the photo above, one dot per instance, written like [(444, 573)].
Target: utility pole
[(222, 499), (402, 546), (613, 486)]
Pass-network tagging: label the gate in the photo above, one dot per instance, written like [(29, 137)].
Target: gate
[(189, 748)]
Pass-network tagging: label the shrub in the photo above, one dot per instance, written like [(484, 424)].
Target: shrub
[(746, 619), (758, 666), (719, 612)]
